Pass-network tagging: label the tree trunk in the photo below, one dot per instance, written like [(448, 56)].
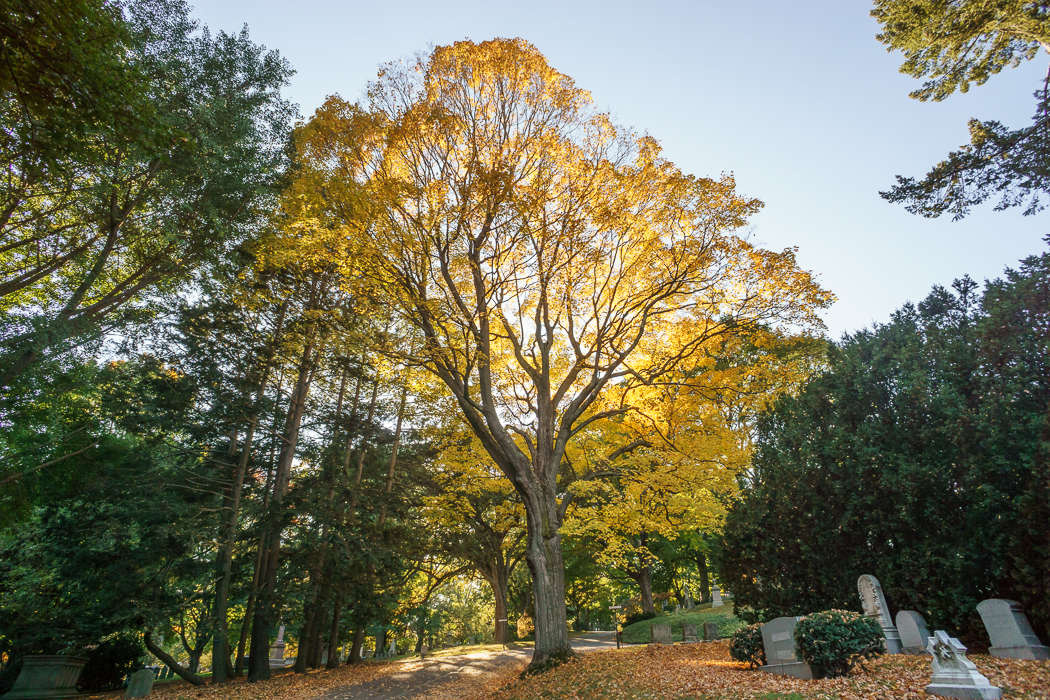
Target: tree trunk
[(306, 638), (333, 636), (645, 583), (170, 661), (355, 646), (543, 554), (705, 579), (222, 672), (498, 579), (317, 651), (266, 604)]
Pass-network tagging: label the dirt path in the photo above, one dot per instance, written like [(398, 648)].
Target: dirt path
[(418, 678)]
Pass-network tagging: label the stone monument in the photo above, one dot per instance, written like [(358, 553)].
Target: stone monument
[(955, 676), (277, 650), (716, 596), (688, 602), (47, 678), (874, 602), (913, 632), (1011, 634), (660, 634), (711, 632), (778, 639), (423, 651), (689, 634), (139, 684)]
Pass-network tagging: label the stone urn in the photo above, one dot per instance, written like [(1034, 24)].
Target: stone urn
[(47, 678)]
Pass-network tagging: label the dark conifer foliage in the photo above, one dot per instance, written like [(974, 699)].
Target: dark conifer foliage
[(921, 457)]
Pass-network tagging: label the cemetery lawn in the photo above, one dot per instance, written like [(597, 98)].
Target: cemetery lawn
[(705, 672), (638, 633)]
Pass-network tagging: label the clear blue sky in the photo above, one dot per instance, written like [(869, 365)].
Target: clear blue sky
[(798, 100)]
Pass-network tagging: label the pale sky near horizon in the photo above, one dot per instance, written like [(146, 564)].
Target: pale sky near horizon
[(798, 100)]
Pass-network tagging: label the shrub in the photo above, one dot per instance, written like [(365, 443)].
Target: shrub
[(833, 641), (110, 661), (746, 645), (638, 617)]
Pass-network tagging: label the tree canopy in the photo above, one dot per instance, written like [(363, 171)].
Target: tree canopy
[(955, 43)]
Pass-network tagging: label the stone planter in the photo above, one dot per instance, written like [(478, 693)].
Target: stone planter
[(47, 678)]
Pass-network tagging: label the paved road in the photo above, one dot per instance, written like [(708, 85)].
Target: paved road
[(418, 676)]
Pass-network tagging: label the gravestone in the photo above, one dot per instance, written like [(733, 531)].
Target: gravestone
[(660, 634), (49, 677), (1011, 634), (955, 676), (139, 684), (711, 632), (689, 605), (392, 649), (423, 651), (913, 632), (778, 639), (716, 596), (324, 657), (874, 603), (277, 650), (366, 654), (689, 633)]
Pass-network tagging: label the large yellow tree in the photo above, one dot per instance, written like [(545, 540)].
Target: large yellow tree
[(544, 254)]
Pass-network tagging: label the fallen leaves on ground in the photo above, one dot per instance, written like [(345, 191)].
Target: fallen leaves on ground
[(681, 672), (282, 686), (705, 671)]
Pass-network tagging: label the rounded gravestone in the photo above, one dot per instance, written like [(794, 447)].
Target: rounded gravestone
[(914, 634)]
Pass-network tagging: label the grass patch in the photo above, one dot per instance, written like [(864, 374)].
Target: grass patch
[(638, 633)]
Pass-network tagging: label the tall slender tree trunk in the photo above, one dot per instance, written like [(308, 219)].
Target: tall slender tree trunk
[(333, 636), (222, 672), (264, 619), (260, 557), (317, 648)]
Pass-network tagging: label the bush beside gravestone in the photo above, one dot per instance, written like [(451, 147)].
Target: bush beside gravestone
[(832, 642), (110, 661), (746, 646)]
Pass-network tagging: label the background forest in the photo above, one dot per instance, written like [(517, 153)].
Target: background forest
[(333, 375)]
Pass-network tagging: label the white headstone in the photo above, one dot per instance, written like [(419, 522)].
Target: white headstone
[(716, 597), (874, 603), (955, 676), (778, 640), (913, 632), (688, 602), (1011, 634)]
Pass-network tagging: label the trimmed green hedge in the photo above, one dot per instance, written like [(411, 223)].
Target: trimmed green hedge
[(746, 646), (834, 641)]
